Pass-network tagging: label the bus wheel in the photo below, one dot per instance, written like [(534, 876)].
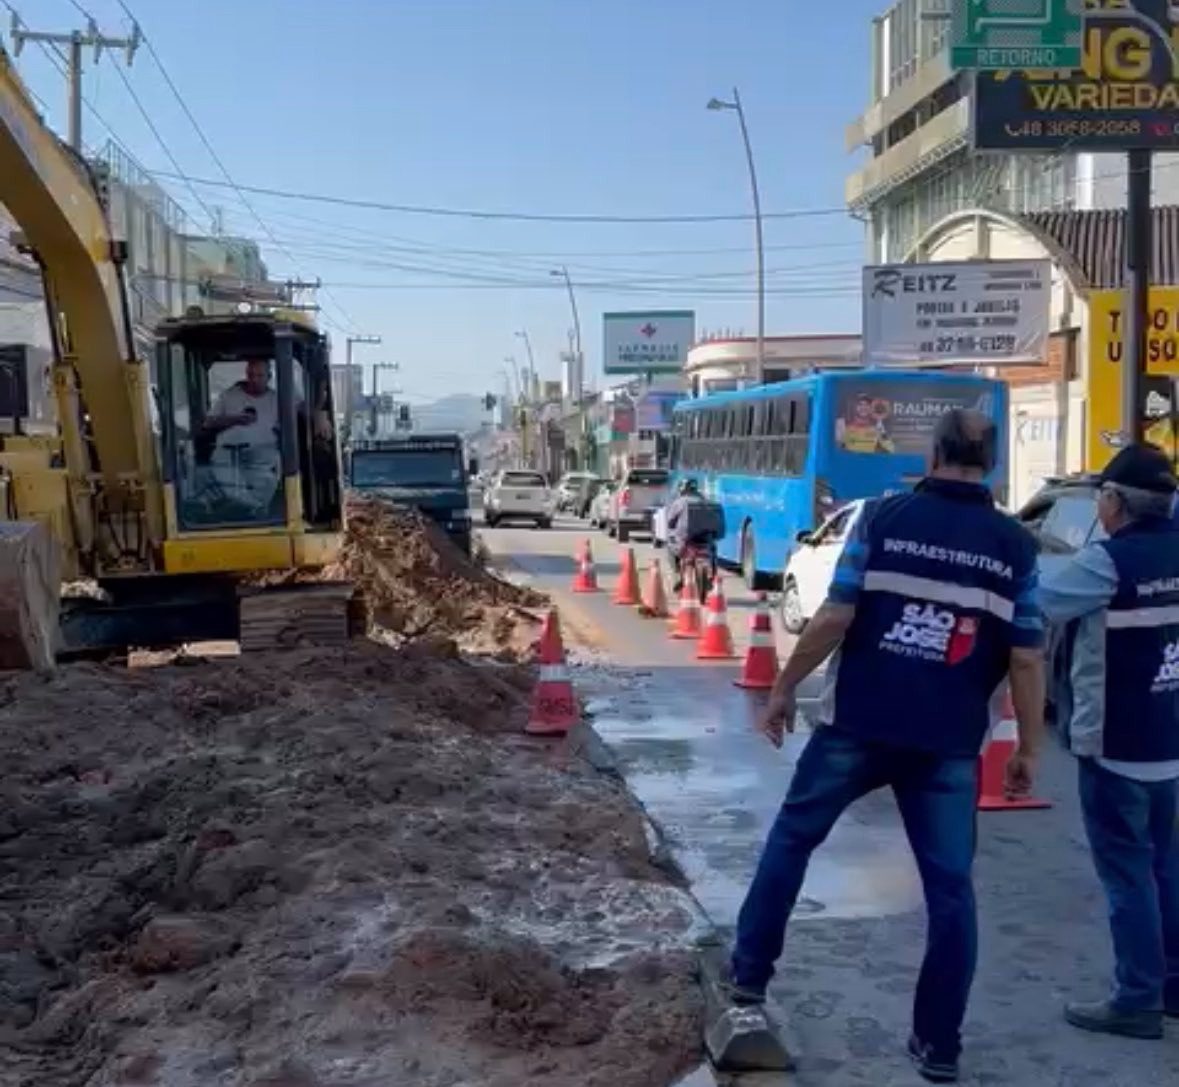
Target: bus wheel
[(749, 560), (792, 618)]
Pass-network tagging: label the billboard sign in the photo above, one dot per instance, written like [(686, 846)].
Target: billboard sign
[(875, 416), (992, 312), (649, 342), (1107, 349), (1123, 95), (1024, 34), (653, 411)]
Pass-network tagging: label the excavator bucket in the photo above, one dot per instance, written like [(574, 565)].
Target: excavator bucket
[(30, 591)]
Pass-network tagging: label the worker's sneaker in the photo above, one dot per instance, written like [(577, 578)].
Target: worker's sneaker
[(742, 995), (1103, 1018), (932, 1066)]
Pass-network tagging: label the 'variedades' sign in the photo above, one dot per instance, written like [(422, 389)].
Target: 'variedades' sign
[(1125, 94), (989, 312)]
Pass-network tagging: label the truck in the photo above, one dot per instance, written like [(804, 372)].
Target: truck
[(426, 472)]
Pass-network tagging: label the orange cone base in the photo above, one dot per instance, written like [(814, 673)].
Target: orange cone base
[(754, 684), (685, 635), (554, 710), (586, 589), (716, 655), (1001, 803)]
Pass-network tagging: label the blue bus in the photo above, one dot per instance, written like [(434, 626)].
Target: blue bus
[(780, 458)]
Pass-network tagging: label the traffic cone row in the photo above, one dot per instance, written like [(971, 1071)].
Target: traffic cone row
[(586, 579), (761, 659)]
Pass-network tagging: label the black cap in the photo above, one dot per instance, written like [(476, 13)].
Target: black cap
[(1144, 467)]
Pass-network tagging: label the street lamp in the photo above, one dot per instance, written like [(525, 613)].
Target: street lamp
[(735, 106), (532, 360), (578, 362)]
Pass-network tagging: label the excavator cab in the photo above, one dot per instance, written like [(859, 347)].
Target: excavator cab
[(248, 452)]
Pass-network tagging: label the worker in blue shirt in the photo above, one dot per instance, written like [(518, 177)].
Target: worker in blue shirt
[(1119, 602), (933, 604)]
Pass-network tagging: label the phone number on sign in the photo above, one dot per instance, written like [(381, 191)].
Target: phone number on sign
[(1074, 128)]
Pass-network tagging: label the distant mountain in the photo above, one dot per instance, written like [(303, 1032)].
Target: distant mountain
[(462, 412)]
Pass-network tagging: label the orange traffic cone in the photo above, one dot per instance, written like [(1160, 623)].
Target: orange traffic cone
[(993, 761), (761, 659), (554, 705), (627, 592), (586, 578), (687, 616), (716, 640), (654, 605)]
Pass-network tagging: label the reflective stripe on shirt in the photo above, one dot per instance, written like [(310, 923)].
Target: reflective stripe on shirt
[(1142, 618), (940, 592)]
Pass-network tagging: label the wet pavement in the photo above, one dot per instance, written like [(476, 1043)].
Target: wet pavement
[(682, 736)]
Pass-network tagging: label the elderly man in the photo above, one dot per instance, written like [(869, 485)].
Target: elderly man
[(932, 606), (1120, 601)]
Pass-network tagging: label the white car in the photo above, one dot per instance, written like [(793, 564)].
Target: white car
[(570, 486), (812, 565), (519, 495)]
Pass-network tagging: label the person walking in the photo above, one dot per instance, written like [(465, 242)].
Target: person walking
[(1118, 600), (933, 603)]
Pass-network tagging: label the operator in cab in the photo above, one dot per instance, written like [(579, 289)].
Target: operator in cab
[(691, 521), (932, 606), (1118, 600), (246, 462)]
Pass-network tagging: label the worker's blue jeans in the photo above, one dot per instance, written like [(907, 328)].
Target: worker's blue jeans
[(936, 797), (1131, 829)]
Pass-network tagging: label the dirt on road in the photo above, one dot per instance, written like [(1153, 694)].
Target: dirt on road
[(416, 583), (339, 867)]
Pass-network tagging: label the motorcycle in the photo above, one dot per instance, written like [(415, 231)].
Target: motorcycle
[(700, 556)]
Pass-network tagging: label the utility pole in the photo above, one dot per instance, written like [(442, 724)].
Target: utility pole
[(348, 403), (579, 359), (1137, 307), (76, 41)]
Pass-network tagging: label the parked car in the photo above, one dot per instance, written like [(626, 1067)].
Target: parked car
[(1062, 516), (639, 494), (570, 488), (519, 495), (811, 565), (599, 511)]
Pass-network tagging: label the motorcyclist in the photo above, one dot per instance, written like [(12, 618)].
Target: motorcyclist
[(678, 522)]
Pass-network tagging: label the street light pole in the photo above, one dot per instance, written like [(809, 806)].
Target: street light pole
[(579, 358), (533, 377), (736, 107)]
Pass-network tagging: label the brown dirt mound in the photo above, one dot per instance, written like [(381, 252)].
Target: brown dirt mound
[(315, 868), (417, 583)]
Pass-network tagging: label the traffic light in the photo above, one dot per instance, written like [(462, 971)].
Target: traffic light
[(489, 402)]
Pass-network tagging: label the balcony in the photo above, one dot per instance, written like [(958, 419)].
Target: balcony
[(938, 138)]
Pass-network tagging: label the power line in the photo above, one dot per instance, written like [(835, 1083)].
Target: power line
[(229, 181), (516, 216)]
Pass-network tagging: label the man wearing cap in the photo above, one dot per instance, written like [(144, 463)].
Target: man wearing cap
[(1120, 600), (932, 605)]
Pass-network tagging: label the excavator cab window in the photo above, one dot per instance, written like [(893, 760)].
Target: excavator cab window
[(246, 404)]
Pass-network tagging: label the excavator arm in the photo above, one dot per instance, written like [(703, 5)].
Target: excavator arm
[(102, 389)]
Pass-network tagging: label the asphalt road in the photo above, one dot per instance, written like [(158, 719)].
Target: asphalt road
[(683, 735)]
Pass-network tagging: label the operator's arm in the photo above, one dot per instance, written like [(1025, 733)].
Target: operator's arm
[(222, 418)]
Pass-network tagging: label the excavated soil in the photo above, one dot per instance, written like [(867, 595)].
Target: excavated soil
[(325, 868), (417, 583)]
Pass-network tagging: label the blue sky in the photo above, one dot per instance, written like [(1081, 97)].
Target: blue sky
[(549, 106)]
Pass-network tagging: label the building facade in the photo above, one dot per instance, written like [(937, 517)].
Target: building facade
[(917, 166)]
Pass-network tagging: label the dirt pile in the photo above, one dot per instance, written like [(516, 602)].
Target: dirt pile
[(325, 868), (417, 583)]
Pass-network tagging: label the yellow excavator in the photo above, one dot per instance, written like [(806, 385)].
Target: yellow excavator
[(170, 478)]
